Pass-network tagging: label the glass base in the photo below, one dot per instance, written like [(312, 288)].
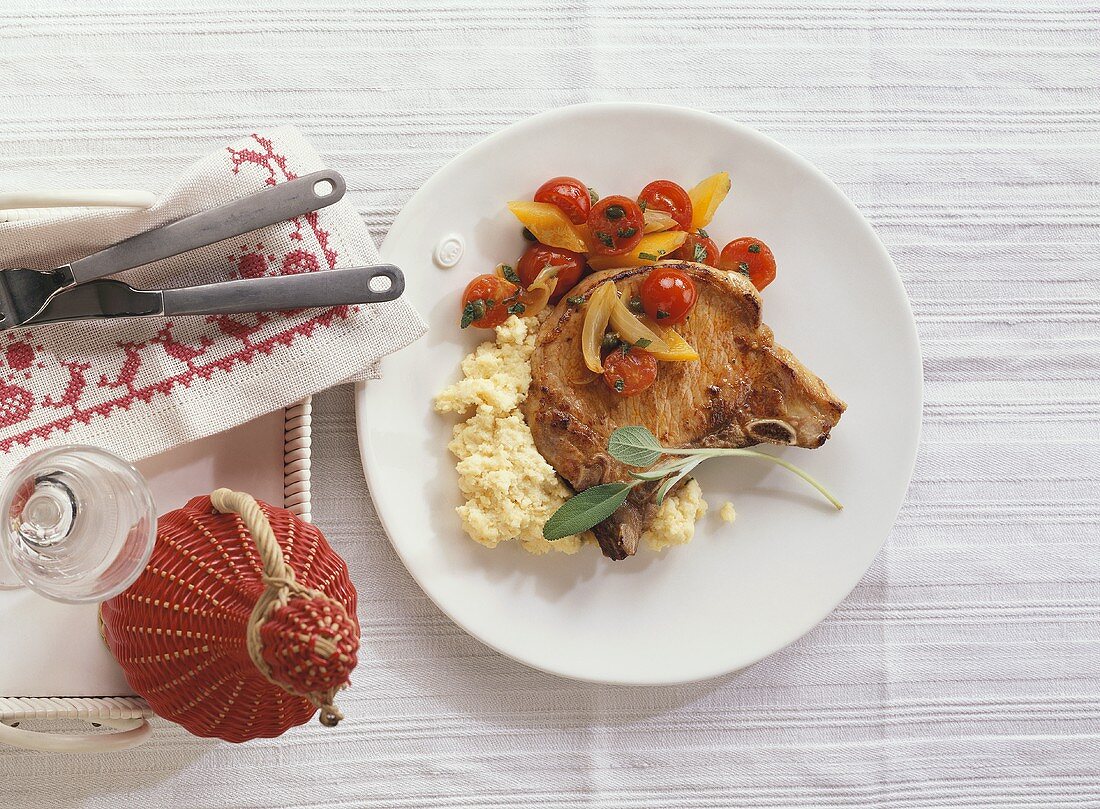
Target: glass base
[(78, 524)]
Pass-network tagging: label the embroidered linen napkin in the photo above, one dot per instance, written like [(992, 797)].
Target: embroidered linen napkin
[(141, 386)]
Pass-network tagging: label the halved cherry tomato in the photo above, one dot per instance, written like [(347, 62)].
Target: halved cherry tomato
[(665, 195), (617, 225), (750, 257), (487, 301), (629, 372), (569, 194), (668, 295), (539, 256), (698, 247)]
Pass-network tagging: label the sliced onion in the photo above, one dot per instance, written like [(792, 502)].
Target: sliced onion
[(588, 378), (632, 331), (538, 292), (679, 349), (656, 221), (600, 304)]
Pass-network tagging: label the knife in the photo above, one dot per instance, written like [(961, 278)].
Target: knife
[(107, 298)]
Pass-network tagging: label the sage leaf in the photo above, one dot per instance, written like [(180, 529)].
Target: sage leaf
[(582, 511), (663, 471), (634, 446), (672, 481)]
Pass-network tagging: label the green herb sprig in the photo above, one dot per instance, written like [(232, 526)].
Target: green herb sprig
[(638, 447), (474, 310)]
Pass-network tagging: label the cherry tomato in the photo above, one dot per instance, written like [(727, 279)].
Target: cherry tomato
[(631, 372), (539, 256), (487, 300), (569, 194), (667, 196), (617, 225), (668, 295), (697, 247), (750, 257)]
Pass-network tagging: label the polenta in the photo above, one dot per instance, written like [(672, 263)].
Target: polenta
[(509, 488)]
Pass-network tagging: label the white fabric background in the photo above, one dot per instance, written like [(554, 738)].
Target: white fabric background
[(964, 671)]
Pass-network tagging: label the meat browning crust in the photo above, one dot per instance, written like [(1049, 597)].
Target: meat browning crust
[(744, 390)]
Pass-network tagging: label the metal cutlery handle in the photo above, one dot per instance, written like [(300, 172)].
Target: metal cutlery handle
[(332, 288), (281, 202)]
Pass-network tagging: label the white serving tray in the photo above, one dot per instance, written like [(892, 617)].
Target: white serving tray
[(53, 663)]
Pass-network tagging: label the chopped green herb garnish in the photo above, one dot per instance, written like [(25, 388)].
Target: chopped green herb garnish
[(754, 248), (700, 253), (702, 233), (473, 311), (626, 233), (605, 240), (592, 195), (575, 301), (625, 349), (743, 267), (611, 340), (643, 343), (647, 256), (517, 309), (529, 236), (620, 386), (635, 305), (662, 314), (643, 205), (614, 212), (509, 273)]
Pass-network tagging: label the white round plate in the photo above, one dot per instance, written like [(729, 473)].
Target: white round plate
[(737, 592)]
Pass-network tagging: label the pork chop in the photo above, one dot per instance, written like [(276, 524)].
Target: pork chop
[(743, 390)]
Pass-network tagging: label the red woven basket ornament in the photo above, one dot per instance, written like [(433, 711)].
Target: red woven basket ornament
[(243, 623)]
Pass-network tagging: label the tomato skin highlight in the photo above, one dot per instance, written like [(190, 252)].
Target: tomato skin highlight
[(617, 225), (665, 195), (570, 266), (668, 295), (629, 373), (569, 194), (749, 256), (707, 254), (486, 301)]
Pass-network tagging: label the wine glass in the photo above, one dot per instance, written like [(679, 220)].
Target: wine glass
[(77, 524)]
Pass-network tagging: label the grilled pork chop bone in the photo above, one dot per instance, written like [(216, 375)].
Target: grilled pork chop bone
[(743, 390)]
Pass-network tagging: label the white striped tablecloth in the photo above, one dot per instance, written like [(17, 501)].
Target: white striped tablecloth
[(963, 672)]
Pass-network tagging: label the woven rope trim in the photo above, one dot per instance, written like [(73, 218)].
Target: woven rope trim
[(297, 429), (280, 588), (88, 708)]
